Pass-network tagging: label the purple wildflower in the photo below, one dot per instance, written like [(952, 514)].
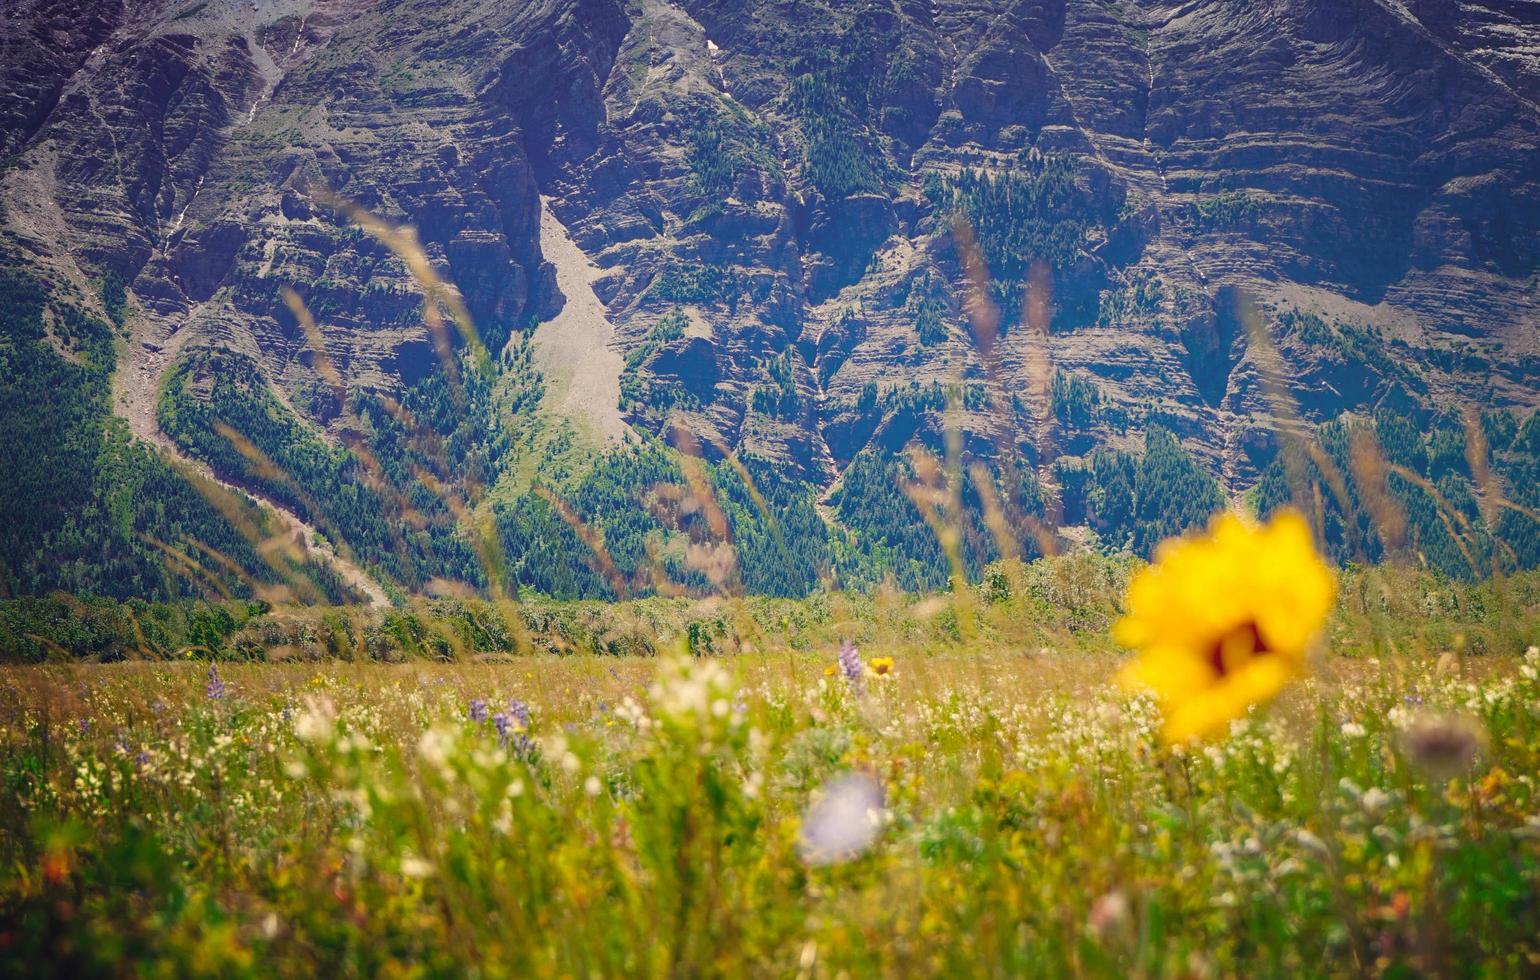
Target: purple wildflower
[(216, 688), (478, 710), (851, 667), (513, 729), (518, 711)]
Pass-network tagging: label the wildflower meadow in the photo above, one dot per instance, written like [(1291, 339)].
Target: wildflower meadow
[(1246, 793)]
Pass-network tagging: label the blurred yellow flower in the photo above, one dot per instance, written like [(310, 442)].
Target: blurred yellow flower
[(882, 665), (830, 670), (1223, 621)]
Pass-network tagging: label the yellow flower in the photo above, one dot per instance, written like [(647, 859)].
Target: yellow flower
[(830, 670), (1224, 621), (882, 665)]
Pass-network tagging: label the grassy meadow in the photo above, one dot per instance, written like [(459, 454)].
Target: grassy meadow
[(992, 804)]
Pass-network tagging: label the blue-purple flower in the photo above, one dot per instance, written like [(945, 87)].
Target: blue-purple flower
[(216, 688), (513, 729), (851, 667), (518, 711), (478, 710)]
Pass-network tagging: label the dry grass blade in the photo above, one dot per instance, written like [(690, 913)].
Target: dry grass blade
[(282, 558), (939, 505), (698, 482), (1447, 513), (1035, 314), (263, 467), (994, 514), (1270, 368), (604, 563), (983, 314), (985, 321), (352, 436), (717, 558), (403, 242), (1367, 460), (762, 505), (189, 568)]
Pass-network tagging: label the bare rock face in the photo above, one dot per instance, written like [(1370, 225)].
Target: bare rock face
[(787, 179)]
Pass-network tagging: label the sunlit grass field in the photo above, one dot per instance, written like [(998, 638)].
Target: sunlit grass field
[(1002, 813)]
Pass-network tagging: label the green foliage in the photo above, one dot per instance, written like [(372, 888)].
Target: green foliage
[(1035, 213), (1352, 343), (781, 553), (726, 145), (836, 161), (1443, 529), (1137, 502), (782, 400), (660, 818), (1137, 300), (83, 501), (690, 283), (34, 629), (114, 293), (638, 504), (928, 306), (668, 329), (1172, 492), (1227, 209), (1075, 400), (890, 537), (646, 395), (398, 525)]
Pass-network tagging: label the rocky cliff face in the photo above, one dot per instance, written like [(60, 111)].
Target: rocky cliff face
[(1148, 184)]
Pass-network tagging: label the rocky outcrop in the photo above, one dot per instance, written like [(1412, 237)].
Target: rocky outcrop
[(784, 178)]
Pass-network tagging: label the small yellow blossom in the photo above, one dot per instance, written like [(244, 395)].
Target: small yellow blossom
[(1224, 621), (881, 665), (830, 670)]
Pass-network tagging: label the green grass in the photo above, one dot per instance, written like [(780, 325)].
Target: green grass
[(355, 818)]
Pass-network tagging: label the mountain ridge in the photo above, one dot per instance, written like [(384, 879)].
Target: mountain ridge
[(770, 195)]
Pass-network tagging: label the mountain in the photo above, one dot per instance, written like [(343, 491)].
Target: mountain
[(1119, 260)]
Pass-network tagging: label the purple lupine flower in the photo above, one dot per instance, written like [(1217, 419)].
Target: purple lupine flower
[(216, 688), (518, 712), (851, 667), (513, 729), (478, 710), (142, 759)]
